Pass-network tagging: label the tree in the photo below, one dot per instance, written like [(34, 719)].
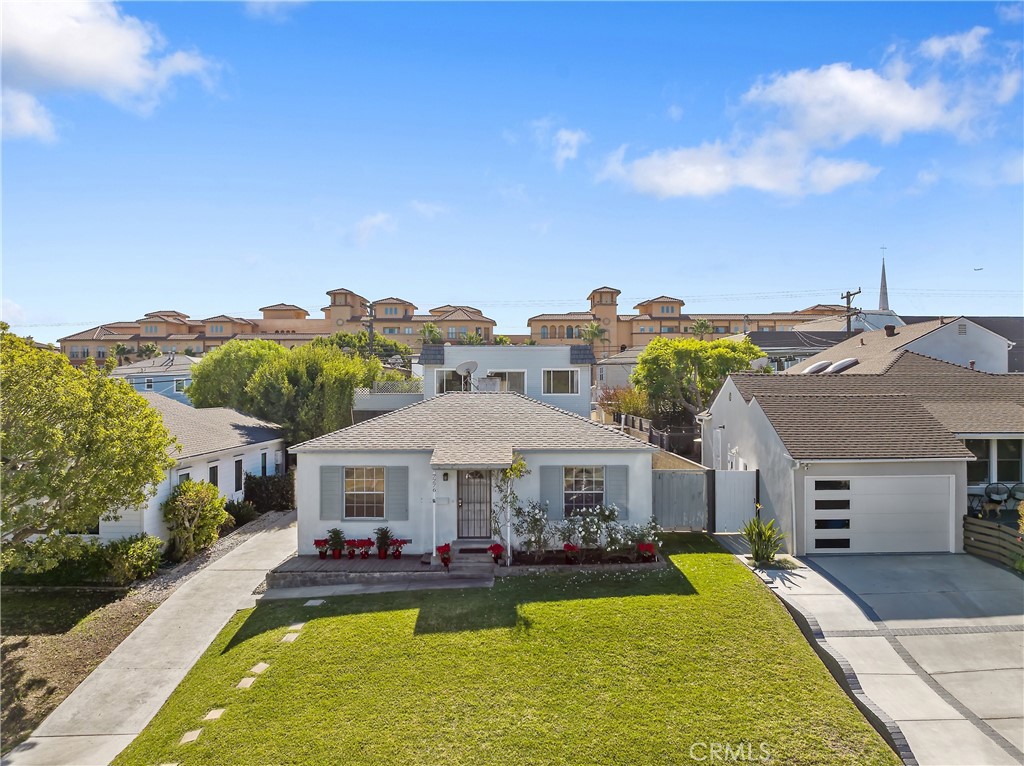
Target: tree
[(148, 351), (120, 352), (471, 339), (77, 446), (702, 327), (430, 333), (502, 340), (310, 390), (359, 343), (593, 333), (507, 504), (219, 380), (194, 512), (682, 375)]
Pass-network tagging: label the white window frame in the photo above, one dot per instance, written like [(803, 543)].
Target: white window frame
[(439, 376), (574, 374), (505, 372), (345, 492), (149, 384), (599, 481), (179, 385)]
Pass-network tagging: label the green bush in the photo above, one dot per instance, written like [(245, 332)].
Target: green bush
[(270, 493), (132, 558), (765, 540), (242, 511), (194, 513)]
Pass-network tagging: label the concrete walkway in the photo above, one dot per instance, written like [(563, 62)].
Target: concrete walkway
[(114, 704), (891, 664)]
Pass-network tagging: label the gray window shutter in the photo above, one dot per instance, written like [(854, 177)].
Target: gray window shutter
[(332, 482), (552, 490), (616, 489), (396, 493)]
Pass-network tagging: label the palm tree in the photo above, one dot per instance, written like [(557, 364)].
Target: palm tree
[(148, 351), (502, 340), (702, 327), (592, 333), (472, 339), (430, 333), (121, 352)]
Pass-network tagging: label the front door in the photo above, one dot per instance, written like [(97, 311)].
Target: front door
[(474, 504)]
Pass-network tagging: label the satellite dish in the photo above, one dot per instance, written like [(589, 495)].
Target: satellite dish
[(466, 368)]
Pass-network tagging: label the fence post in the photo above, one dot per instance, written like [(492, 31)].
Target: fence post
[(710, 495), (757, 492)]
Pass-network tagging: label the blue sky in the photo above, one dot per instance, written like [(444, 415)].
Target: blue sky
[(218, 157)]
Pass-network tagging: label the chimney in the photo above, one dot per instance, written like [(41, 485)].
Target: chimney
[(972, 364), (862, 341), (890, 331)]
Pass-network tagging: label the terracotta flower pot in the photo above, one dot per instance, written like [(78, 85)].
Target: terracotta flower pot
[(351, 553), (323, 554), (336, 553), (382, 554), (364, 554)]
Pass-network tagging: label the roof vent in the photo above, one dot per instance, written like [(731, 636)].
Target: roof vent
[(842, 364), (817, 367), (890, 331)]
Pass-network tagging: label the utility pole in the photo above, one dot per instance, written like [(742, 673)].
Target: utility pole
[(848, 297)]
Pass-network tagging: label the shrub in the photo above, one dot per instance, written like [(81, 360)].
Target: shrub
[(270, 493), (132, 558), (764, 540), (194, 513), (227, 526), (242, 511)]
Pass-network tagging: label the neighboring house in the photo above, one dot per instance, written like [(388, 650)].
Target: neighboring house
[(218, 446), (861, 320), (785, 349), (870, 463), (556, 375), (956, 340), (167, 375), (615, 371), (1011, 328), (427, 471)]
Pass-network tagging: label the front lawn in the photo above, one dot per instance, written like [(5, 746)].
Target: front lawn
[(588, 668)]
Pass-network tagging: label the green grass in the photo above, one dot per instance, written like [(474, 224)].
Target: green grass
[(50, 612), (582, 668)]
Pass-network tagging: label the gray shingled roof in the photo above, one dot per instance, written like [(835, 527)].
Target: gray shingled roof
[(432, 353), (210, 429), (859, 428), (875, 349), (169, 364), (581, 354), (471, 426)]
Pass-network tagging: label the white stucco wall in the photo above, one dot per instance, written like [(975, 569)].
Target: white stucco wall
[(420, 526), (988, 350)]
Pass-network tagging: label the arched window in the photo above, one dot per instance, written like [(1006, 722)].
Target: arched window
[(544, 332), (561, 331), (553, 331), (579, 331), (568, 331)]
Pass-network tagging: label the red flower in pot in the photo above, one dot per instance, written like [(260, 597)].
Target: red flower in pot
[(396, 547), (321, 546), (445, 552), (571, 549), (496, 549), (648, 551)]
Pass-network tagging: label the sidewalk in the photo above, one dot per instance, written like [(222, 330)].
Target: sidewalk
[(114, 704)]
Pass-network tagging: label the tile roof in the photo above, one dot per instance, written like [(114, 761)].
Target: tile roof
[(283, 306), (102, 331), (394, 300), (660, 299), (480, 423), (460, 313), (819, 427), (875, 350), (210, 429), (450, 307), (186, 336), (574, 315)]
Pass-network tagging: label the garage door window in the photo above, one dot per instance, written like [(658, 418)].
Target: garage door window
[(832, 505), (824, 484), (839, 542), (831, 523)]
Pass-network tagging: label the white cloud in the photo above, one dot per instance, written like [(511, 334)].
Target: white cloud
[(675, 113), (806, 115), (95, 48), (428, 210), (567, 145), (11, 312), (273, 10), (25, 117), (368, 227), (967, 45), (1010, 13)]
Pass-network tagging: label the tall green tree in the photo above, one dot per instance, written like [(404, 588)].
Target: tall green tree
[(120, 352), (219, 380), (682, 375), (359, 343), (77, 446), (149, 351), (593, 333), (310, 391)]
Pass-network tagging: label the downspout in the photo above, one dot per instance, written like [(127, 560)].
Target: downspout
[(433, 513), (792, 492)]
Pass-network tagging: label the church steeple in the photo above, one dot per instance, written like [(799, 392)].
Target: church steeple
[(883, 292)]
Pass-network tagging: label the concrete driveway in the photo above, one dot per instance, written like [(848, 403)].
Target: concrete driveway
[(944, 654)]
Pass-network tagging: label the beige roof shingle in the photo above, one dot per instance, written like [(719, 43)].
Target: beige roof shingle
[(210, 429), (875, 350)]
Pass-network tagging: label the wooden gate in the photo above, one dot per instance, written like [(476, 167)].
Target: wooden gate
[(474, 517)]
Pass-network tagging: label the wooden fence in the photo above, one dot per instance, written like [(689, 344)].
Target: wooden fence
[(990, 540)]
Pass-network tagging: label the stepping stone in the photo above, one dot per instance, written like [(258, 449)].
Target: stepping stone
[(213, 715), (289, 638), (259, 668), (245, 683), (314, 602), (296, 626), (190, 736)]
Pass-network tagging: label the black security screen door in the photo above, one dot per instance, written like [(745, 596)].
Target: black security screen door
[(474, 504)]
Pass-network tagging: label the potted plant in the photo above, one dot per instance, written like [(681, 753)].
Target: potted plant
[(445, 552), (396, 547), (383, 538), (648, 551), (364, 547), (336, 539), (496, 549), (353, 546), (571, 551), (322, 547)]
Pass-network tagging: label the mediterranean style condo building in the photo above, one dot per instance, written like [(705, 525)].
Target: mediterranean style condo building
[(396, 319), (283, 323)]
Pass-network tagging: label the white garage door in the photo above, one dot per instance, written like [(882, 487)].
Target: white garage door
[(879, 514)]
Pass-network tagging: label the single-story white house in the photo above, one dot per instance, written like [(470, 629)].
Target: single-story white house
[(217, 445), (427, 471), (870, 463)]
